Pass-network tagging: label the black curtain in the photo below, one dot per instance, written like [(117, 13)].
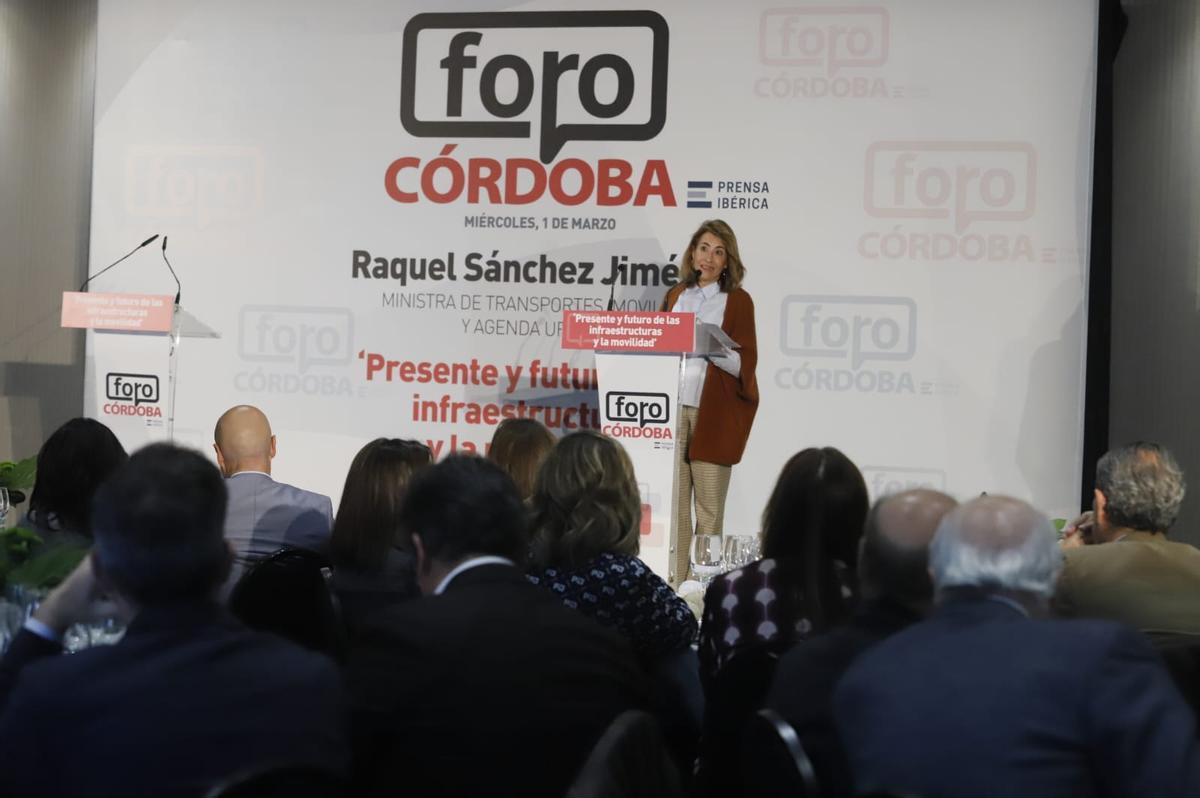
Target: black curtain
[(1099, 324)]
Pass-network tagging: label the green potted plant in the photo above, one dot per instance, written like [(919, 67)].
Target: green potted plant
[(18, 477)]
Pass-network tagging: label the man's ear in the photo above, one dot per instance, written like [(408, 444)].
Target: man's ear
[(272, 447), (1099, 502), (220, 460)]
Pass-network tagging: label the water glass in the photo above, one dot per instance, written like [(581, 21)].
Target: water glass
[(706, 557), (734, 551), (4, 505), (741, 550)]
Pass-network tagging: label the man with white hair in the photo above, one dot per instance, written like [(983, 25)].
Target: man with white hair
[(1119, 563), (989, 697)]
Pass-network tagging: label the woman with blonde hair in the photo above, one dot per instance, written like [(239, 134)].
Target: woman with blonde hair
[(718, 395), (586, 527)]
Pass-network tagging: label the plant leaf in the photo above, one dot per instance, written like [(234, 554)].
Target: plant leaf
[(23, 473)]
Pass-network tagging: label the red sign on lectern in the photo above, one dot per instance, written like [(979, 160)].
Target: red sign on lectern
[(117, 312), (628, 331)]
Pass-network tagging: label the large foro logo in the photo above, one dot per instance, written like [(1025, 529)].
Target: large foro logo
[(476, 75), (136, 388), (634, 407)]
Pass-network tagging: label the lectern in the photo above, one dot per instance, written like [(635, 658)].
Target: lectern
[(133, 350)]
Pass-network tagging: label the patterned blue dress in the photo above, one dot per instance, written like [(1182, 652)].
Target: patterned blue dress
[(622, 592)]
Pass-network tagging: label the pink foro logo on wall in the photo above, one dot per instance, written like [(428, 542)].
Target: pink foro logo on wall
[(828, 52), (827, 37), (952, 200), (964, 181), (287, 349), (199, 184), (886, 480)]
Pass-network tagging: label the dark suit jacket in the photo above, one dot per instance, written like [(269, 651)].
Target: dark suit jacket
[(492, 688), (980, 700), (1145, 580), (188, 697), (802, 691)]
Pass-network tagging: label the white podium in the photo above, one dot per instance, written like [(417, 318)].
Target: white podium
[(639, 360), (130, 375)]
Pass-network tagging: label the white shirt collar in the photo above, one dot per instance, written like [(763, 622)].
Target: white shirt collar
[(243, 473), (467, 565), (707, 291)]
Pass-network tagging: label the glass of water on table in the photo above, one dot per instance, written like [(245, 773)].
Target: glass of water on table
[(707, 559)]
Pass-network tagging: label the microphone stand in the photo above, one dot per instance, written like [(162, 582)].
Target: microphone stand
[(173, 354)]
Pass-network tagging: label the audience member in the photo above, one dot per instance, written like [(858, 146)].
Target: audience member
[(71, 465), (264, 515), (811, 528), (989, 698), (372, 560), (486, 685), (587, 526), (188, 696), (1119, 563), (896, 591), (519, 446)]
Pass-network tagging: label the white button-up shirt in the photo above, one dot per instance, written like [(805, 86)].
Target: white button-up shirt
[(708, 303)]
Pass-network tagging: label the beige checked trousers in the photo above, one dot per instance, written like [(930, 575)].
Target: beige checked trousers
[(708, 483)]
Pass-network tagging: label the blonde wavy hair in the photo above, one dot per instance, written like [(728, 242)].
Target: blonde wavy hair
[(735, 270), (585, 502)]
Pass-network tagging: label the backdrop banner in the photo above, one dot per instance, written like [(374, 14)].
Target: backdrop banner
[(386, 206)]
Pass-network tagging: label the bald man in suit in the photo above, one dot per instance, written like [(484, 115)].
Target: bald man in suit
[(264, 515)]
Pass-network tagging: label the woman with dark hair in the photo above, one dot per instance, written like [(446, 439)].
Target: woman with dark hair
[(71, 465), (718, 394), (519, 446), (372, 559), (586, 525), (805, 581)]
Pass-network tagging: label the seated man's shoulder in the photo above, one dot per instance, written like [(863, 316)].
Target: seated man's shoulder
[(258, 483), (1094, 634), (302, 496), (1182, 552), (140, 663)]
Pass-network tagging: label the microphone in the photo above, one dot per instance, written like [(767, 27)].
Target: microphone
[(145, 243), (612, 291), (178, 287)]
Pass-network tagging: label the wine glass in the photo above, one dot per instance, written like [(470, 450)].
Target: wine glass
[(734, 551), (706, 557)]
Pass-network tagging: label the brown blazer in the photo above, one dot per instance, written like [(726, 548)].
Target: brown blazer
[(727, 403), (1145, 580)]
